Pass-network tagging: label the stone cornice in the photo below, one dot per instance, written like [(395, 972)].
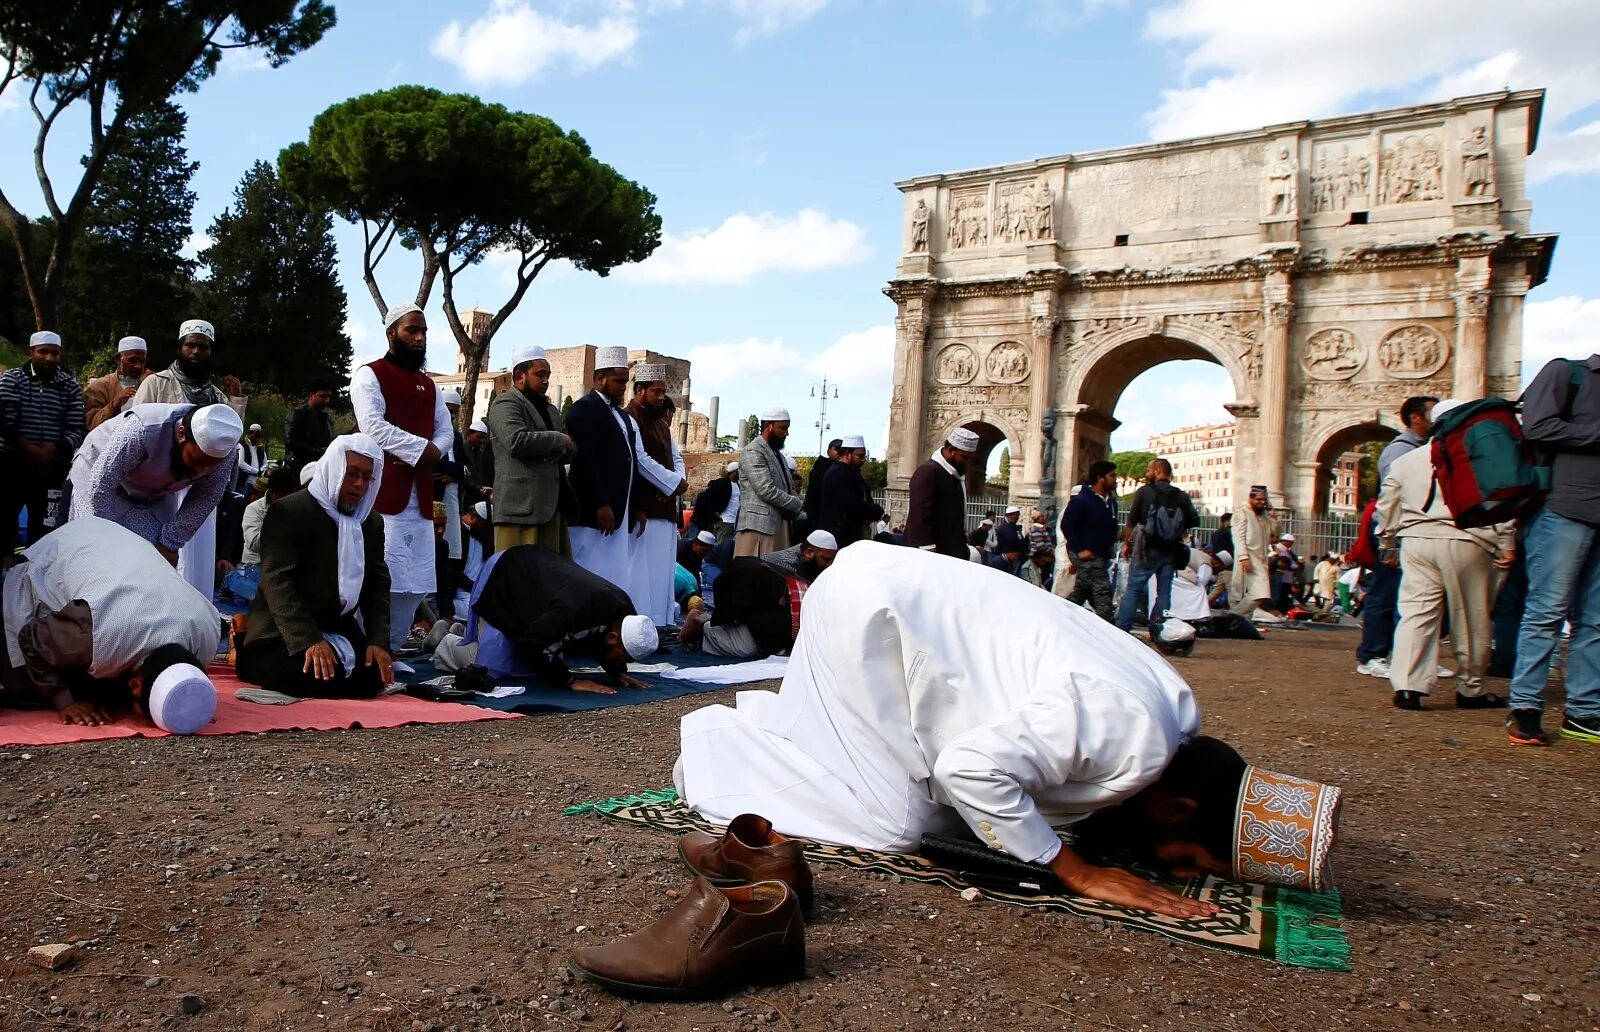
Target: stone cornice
[(903, 290)]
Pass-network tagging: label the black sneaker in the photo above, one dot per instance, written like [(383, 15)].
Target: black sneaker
[(1488, 700), (1408, 700), (1525, 727), (1582, 729)]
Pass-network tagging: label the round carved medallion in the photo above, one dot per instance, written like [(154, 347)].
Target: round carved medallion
[(1413, 352), (1333, 354), (956, 364), (1007, 362)]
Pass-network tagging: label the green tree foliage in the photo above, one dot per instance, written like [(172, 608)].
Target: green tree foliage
[(1131, 464), (752, 429), (455, 179), (116, 60), (876, 474), (274, 290), (726, 442), (1003, 475), (1367, 484), (128, 273)]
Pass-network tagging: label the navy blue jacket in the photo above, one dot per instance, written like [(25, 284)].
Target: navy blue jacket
[(1090, 524), (845, 504), (600, 474), (1010, 537)]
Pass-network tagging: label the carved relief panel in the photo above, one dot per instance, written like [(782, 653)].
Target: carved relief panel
[(1410, 168), (1341, 177), (1477, 163), (1413, 352), (956, 364), (1333, 354), (1007, 362), (967, 222)]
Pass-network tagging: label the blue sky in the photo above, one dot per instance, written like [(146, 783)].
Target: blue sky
[(772, 132)]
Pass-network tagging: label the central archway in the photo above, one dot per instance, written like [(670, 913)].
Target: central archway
[(1343, 483)]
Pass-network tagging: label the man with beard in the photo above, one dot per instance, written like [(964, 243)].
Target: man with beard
[(310, 428), (846, 506), (766, 501), (606, 476), (188, 380), (398, 406), (41, 424), (1251, 586), (759, 601), (250, 461), (655, 552), (104, 396), (319, 625), (530, 444), (936, 517)]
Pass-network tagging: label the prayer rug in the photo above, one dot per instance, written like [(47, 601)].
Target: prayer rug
[(1294, 928), (236, 716), (659, 684)]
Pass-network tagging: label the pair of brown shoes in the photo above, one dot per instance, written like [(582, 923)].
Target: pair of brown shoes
[(741, 922)]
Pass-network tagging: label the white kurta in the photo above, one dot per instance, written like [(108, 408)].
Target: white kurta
[(407, 536), (900, 712), (656, 553), (197, 560), (1190, 586)]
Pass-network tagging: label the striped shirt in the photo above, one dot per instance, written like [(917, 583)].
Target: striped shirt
[(44, 413)]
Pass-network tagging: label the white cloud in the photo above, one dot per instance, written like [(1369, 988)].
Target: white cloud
[(745, 246), (512, 43), (740, 363), (862, 361), (1562, 327), (196, 243), (1252, 62), (365, 342), (238, 61)]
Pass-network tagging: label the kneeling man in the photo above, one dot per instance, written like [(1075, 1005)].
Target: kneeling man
[(319, 624), (904, 713), (759, 601), (95, 620)]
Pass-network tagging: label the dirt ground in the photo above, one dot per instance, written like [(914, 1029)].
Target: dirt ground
[(424, 879)]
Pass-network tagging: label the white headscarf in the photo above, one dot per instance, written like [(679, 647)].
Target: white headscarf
[(325, 485)]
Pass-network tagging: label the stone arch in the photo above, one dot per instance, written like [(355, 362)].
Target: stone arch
[(1347, 435)]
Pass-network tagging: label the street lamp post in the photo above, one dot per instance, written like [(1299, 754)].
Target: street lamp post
[(820, 391)]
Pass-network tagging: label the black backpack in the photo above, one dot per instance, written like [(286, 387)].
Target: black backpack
[(1163, 523)]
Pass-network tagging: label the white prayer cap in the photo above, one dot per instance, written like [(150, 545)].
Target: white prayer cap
[(1445, 406), (479, 426), (255, 427), (822, 539), (43, 337), (774, 415), (1286, 537), (199, 326), (216, 430), (131, 344), (732, 467), (788, 460), (705, 537), (398, 312), (450, 395), (526, 353), (639, 636), (182, 699), (962, 439), (987, 522), (852, 443), (482, 510), (649, 372), (610, 358), (1176, 632), (1225, 557), (1012, 508)]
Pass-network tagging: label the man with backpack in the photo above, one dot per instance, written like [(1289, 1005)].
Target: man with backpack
[(1153, 541), (1561, 416)]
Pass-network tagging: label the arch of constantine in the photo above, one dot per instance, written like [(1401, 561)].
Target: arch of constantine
[(1333, 268)]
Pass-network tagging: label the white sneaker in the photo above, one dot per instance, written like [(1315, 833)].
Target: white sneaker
[(1446, 673), (1374, 668)]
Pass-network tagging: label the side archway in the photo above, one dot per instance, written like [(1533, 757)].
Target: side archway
[(1342, 481)]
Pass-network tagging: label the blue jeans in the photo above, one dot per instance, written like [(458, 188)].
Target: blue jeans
[(1161, 567), (244, 581), (1563, 582), (1379, 613)]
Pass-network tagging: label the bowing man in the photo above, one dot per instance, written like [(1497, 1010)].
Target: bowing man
[(319, 624)]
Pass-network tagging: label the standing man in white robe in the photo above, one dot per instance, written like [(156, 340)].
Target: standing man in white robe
[(605, 476), (904, 711), (398, 406), (656, 551)]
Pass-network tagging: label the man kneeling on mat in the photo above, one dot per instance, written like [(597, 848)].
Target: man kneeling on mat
[(758, 602), (324, 591), (907, 711), (95, 620)]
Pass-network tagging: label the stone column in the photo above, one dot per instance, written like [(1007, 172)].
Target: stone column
[(1042, 321), (712, 408), (1272, 396), (1472, 299), (909, 400)]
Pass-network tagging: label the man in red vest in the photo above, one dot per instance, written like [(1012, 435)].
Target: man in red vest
[(397, 405)]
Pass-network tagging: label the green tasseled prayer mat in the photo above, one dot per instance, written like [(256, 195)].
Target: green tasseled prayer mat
[(1299, 929)]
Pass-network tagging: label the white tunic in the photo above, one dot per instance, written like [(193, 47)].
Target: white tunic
[(656, 552), (407, 536), (1190, 586), (923, 687)]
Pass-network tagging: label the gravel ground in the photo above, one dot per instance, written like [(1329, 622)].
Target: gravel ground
[(423, 879)]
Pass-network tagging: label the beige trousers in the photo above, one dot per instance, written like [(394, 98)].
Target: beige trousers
[(1437, 573), (552, 535), (750, 542)]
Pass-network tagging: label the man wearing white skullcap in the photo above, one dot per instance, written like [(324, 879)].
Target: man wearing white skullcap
[(606, 478), (767, 500), (528, 439), (655, 550), (160, 471), (104, 396), (250, 461), (847, 508), (936, 517), (94, 620), (319, 626), (716, 509), (397, 404), (759, 602), (41, 423), (455, 480), (534, 611)]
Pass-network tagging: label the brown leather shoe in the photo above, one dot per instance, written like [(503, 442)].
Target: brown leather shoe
[(713, 942), (749, 851)]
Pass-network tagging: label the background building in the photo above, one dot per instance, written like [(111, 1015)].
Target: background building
[(1202, 460)]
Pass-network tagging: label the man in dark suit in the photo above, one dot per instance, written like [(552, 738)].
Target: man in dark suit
[(846, 506), (530, 443), (936, 520), (322, 566), (819, 472), (605, 475), (310, 429), (714, 502)]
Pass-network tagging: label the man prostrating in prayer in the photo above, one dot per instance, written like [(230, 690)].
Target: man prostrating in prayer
[(924, 692)]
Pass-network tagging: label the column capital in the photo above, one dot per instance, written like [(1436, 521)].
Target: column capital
[(1473, 304), (1279, 313)]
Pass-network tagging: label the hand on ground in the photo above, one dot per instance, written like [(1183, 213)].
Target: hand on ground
[(380, 655), (1125, 889), (321, 662), (583, 684), (86, 714)]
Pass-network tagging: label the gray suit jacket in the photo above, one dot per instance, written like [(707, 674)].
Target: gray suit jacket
[(528, 454), (765, 498)]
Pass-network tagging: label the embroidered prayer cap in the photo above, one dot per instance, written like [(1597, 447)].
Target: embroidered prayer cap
[(526, 353), (853, 442), (255, 427), (439, 511), (398, 312), (610, 358), (649, 372), (43, 338), (1285, 830), (823, 540), (199, 326), (481, 510), (962, 439), (776, 414), (127, 344), (639, 636), (216, 430), (705, 537), (451, 396), (732, 467), (182, 699), (479, 427)]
